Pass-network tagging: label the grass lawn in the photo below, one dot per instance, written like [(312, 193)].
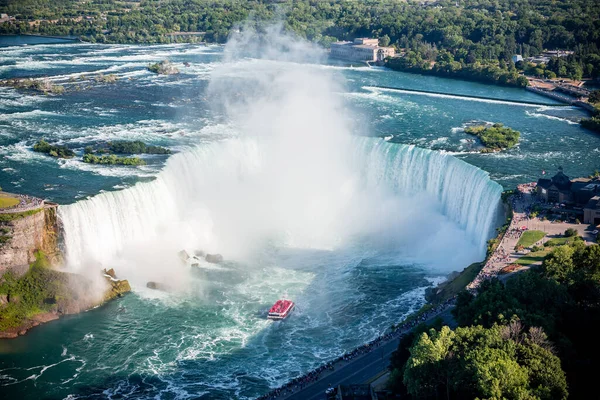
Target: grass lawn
[(7, 201), (529, 238), (532, 258), (560, 241)]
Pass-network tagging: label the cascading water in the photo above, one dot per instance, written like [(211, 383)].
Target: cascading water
[(197, 192), (465, 193)]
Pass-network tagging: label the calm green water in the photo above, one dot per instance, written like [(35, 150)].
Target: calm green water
[(211, 340)]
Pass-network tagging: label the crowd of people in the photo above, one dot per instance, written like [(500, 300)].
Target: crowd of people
[(522, 207), (316, 374), (25, 203)]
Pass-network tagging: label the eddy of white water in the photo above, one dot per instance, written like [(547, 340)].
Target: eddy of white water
[(292, 173)]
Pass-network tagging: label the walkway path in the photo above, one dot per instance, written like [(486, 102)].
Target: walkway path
[(505, 253)]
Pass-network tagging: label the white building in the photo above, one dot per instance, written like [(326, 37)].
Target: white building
[(361, 49)]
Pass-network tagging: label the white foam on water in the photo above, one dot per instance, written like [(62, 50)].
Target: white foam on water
[(552, 117), (26, 114), (450, 96)]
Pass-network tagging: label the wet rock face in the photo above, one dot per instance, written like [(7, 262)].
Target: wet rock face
[(158, 286), (29, 233), (111, 273)]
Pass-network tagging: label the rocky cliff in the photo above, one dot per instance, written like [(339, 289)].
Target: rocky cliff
[(33, 289), (25, 233)]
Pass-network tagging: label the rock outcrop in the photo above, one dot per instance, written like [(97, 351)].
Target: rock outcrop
[(163, 68), (63, 294), (158, 286), (28, 232), (32, 290)]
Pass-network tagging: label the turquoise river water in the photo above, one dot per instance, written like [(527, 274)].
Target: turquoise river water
[(311, 182)]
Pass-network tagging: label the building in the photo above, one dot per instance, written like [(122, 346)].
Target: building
[(361, 49), (555, 190), (582, 193), (557, 53), (538, 59), (591, 211), (516, 58), (355, 392)]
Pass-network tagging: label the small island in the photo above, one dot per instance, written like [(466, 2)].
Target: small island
[(53, 150), (105, 153), (495, 138), (44, 86), (163, 68), (135, 147), (112, 160)]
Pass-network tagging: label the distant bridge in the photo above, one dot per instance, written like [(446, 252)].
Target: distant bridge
[(464, 96)]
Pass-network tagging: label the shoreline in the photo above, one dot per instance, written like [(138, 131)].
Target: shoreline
[(113, 292), (430, 310)]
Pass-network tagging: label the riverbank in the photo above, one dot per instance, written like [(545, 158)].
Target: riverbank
[(373, 357), (369, 359), (33, 288)]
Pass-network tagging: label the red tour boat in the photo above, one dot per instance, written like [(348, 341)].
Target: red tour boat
[(281, 309)]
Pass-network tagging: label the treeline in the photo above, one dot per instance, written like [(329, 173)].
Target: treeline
[(593, 123), (475, 39), (533, 337)]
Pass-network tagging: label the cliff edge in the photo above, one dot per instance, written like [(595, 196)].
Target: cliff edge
[(32, 288)]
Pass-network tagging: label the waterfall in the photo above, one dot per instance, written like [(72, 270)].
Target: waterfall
[(223, 187), (465, 193)]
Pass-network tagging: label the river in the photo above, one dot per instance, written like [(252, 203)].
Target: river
[(311, 182)]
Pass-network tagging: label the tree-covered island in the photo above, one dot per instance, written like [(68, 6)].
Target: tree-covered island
[(104, 154), (135, 147), (112, 159), (53, 150), (495, 138)]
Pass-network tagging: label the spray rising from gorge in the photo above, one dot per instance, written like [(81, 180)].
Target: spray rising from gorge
[(292, 173)]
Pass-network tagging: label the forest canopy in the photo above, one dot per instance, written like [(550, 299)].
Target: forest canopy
[(477, 37)]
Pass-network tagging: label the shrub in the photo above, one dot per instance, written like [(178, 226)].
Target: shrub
[(52, 150), (571, 232)]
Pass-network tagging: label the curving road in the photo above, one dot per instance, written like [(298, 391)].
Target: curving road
[(361, 369)]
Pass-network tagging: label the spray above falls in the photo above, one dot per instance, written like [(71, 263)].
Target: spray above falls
[(292, 172)]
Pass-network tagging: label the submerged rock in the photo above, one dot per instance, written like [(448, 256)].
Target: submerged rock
[(214, 258), (158, 286), (163, 68)]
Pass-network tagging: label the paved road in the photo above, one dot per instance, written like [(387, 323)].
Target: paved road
[(359, 370)]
